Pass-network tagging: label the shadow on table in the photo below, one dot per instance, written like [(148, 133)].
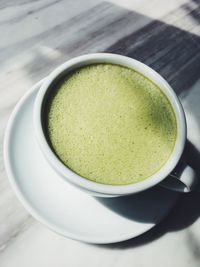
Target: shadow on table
[(194, 13), (106, 27), (171, 51), (184, 213)]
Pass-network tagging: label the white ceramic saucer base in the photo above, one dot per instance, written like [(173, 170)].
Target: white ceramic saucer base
[(65, 209)]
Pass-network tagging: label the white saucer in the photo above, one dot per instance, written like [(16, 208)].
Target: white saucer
[(62, 207)]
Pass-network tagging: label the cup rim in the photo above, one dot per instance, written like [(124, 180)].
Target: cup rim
[(84, 183)]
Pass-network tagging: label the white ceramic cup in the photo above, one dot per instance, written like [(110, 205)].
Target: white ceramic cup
[(183, 179)]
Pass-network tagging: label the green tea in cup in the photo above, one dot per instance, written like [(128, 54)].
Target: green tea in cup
[(110, 124)]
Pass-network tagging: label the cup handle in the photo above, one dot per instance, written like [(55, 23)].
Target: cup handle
[(182, 179)]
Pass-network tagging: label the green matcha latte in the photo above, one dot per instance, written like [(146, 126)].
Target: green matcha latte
[(111, 125)]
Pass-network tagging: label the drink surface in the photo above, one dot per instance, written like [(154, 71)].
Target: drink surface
[(111, 125)]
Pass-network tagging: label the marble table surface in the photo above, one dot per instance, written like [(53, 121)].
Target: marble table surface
[(36, 36)]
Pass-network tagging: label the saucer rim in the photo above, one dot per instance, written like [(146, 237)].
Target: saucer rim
[(27, 204)]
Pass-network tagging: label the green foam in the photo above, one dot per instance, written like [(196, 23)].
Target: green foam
[(111, 125)]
